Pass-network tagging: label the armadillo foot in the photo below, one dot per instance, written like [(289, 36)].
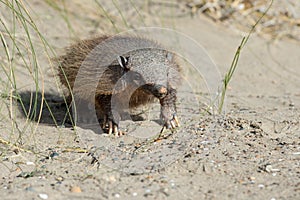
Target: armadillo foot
[(171, 124), (112, 128)]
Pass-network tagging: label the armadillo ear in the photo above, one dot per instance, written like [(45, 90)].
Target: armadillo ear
[(123, 61)]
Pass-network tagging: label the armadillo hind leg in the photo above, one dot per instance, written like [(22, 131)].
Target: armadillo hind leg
[(168, 110)]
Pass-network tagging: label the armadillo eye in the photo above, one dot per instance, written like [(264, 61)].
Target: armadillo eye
[(137, 76)]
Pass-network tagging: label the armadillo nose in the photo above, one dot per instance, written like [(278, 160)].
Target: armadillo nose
[(162, 90)]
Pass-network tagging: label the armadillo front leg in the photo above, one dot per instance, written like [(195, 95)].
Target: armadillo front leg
[(168, 110), (109, 123), (111, 126)]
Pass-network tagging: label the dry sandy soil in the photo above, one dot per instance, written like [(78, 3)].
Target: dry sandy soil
[(252, 151)]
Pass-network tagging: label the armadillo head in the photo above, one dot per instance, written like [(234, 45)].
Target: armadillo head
[(149, 69)]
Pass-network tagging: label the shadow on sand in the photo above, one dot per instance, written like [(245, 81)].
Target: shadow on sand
[(50, 109), (53, 110)]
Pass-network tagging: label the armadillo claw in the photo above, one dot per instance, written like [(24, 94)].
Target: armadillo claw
[(171, 124), (112, 128), (176, 120)]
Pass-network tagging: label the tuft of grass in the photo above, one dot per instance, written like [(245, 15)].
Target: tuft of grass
[(20, 37), (235, 60)]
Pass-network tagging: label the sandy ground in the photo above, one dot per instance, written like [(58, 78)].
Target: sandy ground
[(252, 151)]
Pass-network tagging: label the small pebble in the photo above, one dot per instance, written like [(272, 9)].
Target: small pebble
[(29, 163), (75, 189), (134, 194), (261, 185), (166, 191), (53, 154), (117, 195), (43, 196), (172, 183), (59, 178), (147, 190), (112, 179), (269, 168)]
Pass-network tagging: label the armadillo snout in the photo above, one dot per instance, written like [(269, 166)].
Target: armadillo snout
[(159, 91), (162, 90)]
